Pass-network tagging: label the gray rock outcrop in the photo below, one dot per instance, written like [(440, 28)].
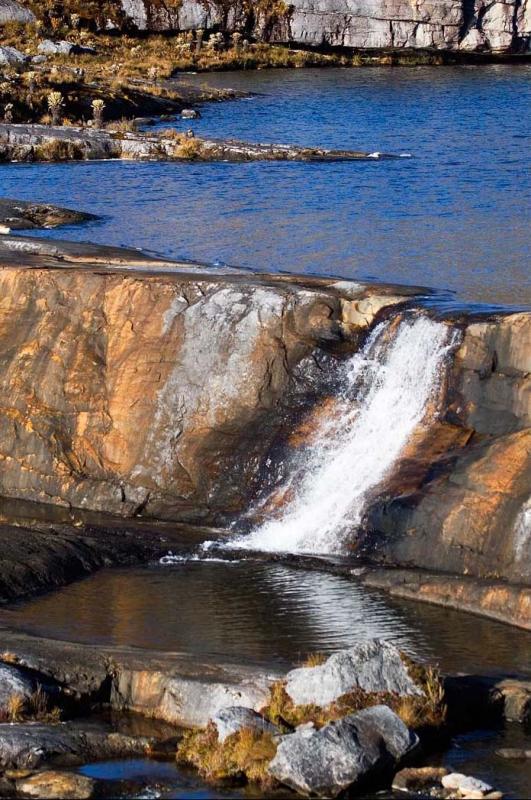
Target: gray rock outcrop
[(11, 11), (28, 746), (9, 56), (374, 666), (325, 762), (455, 25), (63, 48)]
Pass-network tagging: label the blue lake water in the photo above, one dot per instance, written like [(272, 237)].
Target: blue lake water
[(455, 216)]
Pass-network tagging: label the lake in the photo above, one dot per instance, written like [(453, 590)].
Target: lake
[(454, 216)]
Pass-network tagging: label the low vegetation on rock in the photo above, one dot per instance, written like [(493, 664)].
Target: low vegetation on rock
[(244, 754)]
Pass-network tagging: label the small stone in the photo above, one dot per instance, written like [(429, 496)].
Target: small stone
[(235, 718), (418, 778), (470, 785), (466, 785), (493, 796), (513, 752), (190, 113), (56, 785)]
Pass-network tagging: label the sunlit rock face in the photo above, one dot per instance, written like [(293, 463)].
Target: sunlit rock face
[(159, 394), (468, 511), (366, 24), (209, 396)]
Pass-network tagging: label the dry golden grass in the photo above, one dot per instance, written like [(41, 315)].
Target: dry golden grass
[(15, 708), (314, 660), (188, 149), (243, 755)]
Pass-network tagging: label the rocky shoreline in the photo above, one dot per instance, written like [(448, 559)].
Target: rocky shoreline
[(44, 143)]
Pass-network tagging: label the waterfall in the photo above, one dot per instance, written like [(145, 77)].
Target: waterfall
[(385, 395)]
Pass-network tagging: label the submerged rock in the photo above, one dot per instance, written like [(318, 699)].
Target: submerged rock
[(418, 779), (374, 666), (190, 113), (235, 718), (325, 762)]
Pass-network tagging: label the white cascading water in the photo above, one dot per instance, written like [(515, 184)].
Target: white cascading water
[(386, 392)]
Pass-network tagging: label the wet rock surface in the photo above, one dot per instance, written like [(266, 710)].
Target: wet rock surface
[(126, 441), (374, 666), (107, 428), (30, 745), (325, 762)]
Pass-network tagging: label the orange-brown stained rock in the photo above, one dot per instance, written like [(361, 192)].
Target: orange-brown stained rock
[(117, 390)]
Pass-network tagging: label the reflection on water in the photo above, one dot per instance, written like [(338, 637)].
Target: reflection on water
[(263, 613), (456, 215)]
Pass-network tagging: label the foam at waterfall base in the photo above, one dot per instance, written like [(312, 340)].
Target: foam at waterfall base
[(385, 394)]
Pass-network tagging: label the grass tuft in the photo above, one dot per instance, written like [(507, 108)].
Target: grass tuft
[(243, 755)]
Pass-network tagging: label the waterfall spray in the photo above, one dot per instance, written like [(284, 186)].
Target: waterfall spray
[(386, 390)]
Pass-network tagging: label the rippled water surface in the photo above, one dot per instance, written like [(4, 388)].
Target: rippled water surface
[(456, 215), (263, 613)]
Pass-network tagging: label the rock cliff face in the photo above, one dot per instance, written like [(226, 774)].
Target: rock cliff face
[(134, 386), (466, 25), (157, 392)]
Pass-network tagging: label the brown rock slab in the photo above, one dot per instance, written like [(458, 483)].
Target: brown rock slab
[(56, 785)]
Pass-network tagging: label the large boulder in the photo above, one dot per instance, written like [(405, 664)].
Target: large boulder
[(10, 56), (11, 11), (236, 718), (373, 666), (325, 762)]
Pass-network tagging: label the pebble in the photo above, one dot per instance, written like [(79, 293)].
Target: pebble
[(513, 752), (466, 785)]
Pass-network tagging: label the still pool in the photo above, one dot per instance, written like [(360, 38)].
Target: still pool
[(263, 613)]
